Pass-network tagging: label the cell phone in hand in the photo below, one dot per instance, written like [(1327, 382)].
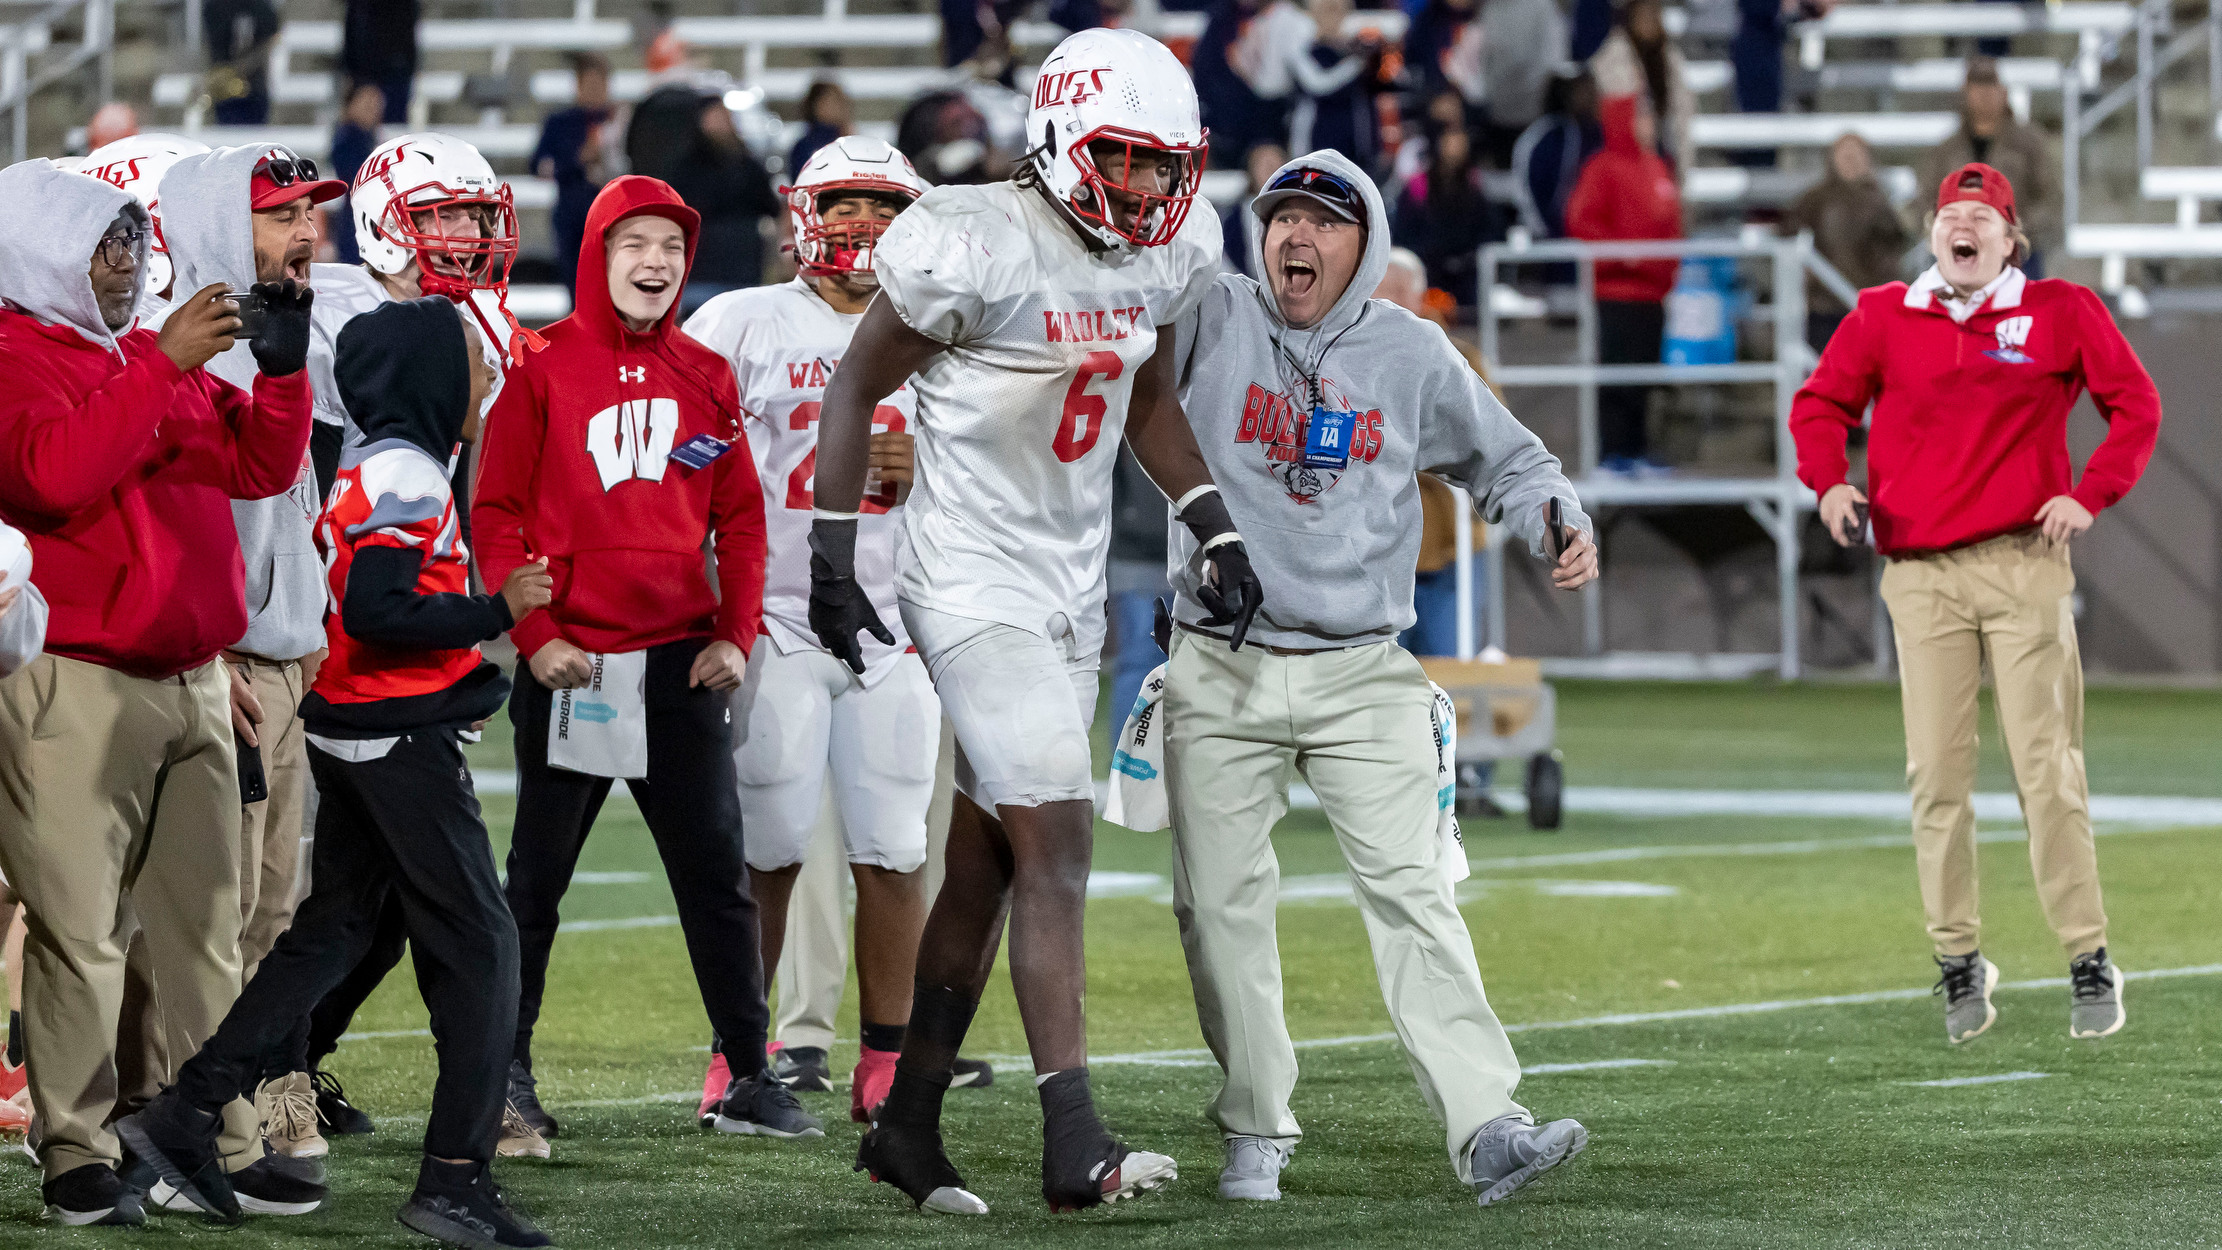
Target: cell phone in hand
[(1859, 522), (1555, 538), (253, 314)]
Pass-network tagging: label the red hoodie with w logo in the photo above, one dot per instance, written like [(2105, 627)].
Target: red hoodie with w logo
[(578, 467)]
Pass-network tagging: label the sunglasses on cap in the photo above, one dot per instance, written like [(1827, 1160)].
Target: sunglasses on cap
[(284, 169), (1323, 185)]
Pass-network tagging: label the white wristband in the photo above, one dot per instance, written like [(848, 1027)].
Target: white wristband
[(1180, 505), (828, 514), (1222, 540)]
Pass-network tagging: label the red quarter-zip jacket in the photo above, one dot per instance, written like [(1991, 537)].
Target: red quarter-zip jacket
[(577, 469), (1970, 436), (122, 470)]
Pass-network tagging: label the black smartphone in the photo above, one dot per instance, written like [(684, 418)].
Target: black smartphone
[(254, 784), (1859, 521), (252, 313), (1554, 529)]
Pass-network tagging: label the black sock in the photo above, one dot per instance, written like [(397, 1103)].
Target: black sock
[(939, 1019), (1074, 1140), (15, 1039), (436, 1175), (1068, 1105), (887, 1037)]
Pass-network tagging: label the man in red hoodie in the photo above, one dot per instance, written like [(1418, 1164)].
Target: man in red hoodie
[(1972, 370), (1627, 192), (119, 788), (616, 455)]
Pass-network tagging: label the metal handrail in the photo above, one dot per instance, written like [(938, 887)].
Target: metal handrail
[(18, 84)]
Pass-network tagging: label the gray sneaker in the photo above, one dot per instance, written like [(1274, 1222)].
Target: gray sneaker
[(1966, 981), (1510, 1151), (2094, 996), (1253, 1171)]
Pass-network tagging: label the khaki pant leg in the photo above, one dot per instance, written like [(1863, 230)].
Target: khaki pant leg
[(1940, 671), (1367, 748), (271, 831), (1226, 785), (81, 749), (2029, 629), (814, 963)]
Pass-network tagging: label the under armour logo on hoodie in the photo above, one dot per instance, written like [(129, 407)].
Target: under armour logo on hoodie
[(638, 373), (632, 439)]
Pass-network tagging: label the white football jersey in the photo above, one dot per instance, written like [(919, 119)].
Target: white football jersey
[(1019, 421), (784, 342)]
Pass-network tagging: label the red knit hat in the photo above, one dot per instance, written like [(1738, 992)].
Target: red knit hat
[(1977, 181)]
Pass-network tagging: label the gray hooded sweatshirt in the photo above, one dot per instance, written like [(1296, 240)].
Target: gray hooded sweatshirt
[(209, 227), (1336, 549), (44, 258)]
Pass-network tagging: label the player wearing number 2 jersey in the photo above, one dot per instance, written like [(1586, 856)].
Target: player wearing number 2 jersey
[(1030, 313), (802, 717)]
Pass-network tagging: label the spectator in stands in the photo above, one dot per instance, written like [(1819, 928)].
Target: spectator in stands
[(663, 126), (1444, 216), (1627, 192), (570, 154), (1756, 52), (239, 35), (945, 136), (1234, 252), (353, 140), (110, 122), (1638, 58), (1989, 133), (827, 114), (1521, 43), (1855, 227), (725, 182), (1238, 116), (1336, 75), (378, 43), (1443, 46), (1549, 157)]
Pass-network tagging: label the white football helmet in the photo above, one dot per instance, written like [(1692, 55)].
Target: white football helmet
[(1122, 86), (396, 203), (850, 163), (136, 164)]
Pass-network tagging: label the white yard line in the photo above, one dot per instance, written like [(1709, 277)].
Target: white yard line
[(1955, 1082)]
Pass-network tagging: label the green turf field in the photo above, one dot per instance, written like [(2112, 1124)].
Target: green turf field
[(1805, 1125)]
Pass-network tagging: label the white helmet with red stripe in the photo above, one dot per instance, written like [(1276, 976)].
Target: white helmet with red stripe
[(1123, 87), (855, 164), (411, 202), (136, 164)]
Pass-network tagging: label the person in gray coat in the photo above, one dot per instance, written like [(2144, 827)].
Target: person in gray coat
[(1315, 407)]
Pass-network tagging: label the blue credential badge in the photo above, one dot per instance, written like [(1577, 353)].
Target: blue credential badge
[(700, 451), (1327, 440)]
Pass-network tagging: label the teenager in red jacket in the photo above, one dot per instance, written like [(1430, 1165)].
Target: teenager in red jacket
[(1627, 192), (1972, 370), (615, 455), (119, 457)]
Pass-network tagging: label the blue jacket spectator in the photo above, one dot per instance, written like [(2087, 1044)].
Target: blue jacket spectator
[(1549, 157), (1336, 79), (378, 43), (1235, 252), (1237, 116), (353, 140), (239, 34), (826, 116), (570, 155)]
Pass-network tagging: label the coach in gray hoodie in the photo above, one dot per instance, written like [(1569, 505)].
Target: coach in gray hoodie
[(1315, 405)]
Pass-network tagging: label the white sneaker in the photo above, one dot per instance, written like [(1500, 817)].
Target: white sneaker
[(1253, 1171), (1510, 1151)]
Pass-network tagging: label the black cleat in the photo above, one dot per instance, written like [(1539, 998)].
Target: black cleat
[(971, 1074), (91, 1195), (458, 1204), (1083, 1165), (803, 1068), (271, 1185), (763, 1106), (339, 1117), (912, 1160), (179, 1141), (524, 1094)]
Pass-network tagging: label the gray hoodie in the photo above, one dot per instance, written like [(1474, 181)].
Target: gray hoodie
[(1336, 549), (46, 256), (209, 227)]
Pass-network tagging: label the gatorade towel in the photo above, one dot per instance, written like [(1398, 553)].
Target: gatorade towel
[(601, 728), (1445, 718), (1138, 762)]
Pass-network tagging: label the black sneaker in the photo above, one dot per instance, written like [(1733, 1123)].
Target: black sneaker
[(458, 1204), (971, 1074), (803, 1068), (912, 1160), (524, 1095), (91, 1195), (763, 1106), (180, 1142), (268, 1186), (339, 1117)]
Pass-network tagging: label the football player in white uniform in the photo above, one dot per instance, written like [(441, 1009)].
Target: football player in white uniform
[(805, 718), (1030, 312)]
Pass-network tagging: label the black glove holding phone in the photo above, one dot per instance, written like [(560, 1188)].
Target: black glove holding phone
[(274, 319)]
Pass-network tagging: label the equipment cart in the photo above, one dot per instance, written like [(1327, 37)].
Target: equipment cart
[(1506, 711)]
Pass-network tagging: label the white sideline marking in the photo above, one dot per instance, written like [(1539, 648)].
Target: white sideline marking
[(629, 922), (611, 878), (1957, 1081), (1594, 1065)]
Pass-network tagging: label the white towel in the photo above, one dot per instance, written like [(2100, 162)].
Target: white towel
[(601, 728)]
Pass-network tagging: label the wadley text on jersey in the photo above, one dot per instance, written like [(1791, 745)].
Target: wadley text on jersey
[(1095, 325)]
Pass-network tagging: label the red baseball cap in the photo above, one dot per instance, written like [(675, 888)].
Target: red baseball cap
[(281, 177), (1977, 181)]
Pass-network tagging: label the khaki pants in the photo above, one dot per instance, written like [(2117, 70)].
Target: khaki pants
[(119, 809), (1354, 724), (271, 832), (814, 965), (2005, 601)]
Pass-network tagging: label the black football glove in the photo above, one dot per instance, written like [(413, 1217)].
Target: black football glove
[(838, 606), (1230, 590), (283, 346)]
